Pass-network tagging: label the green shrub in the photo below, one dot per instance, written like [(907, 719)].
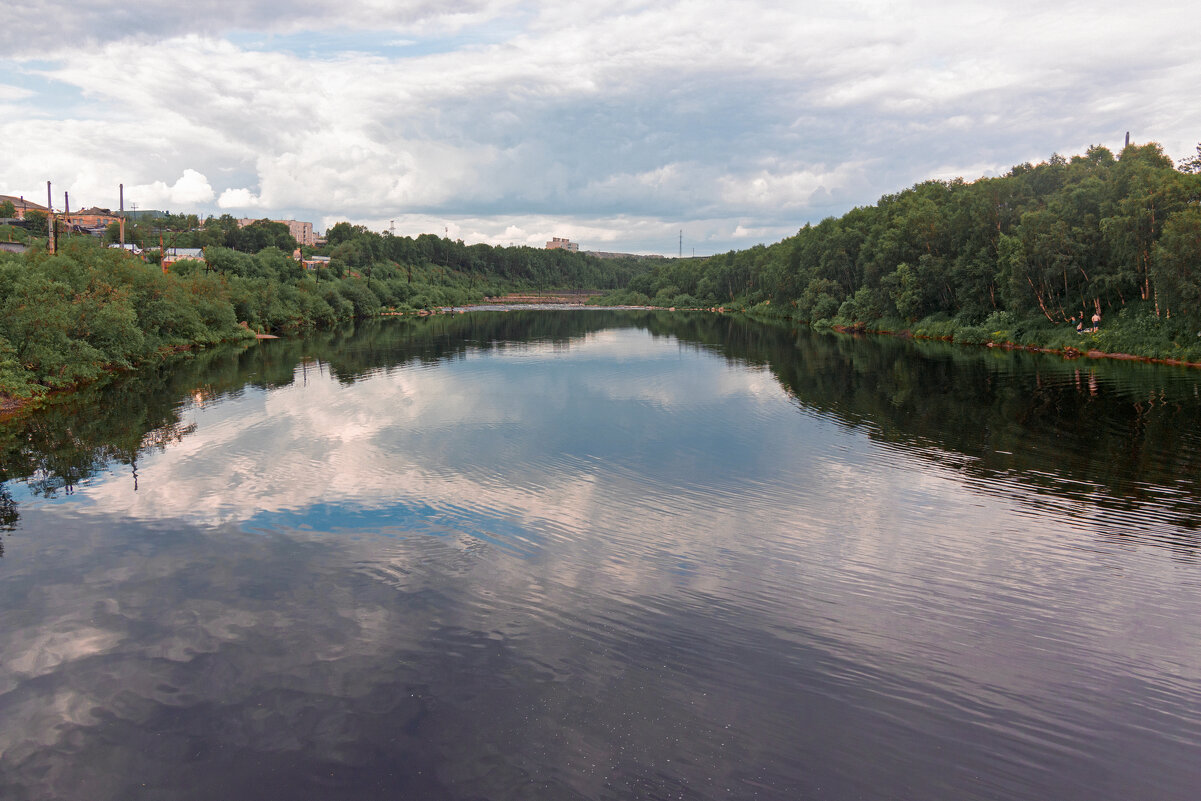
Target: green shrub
[(972, 335), (936, 326), (15, 380)]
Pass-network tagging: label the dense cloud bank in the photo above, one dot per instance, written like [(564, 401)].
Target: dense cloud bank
[(508, 122)]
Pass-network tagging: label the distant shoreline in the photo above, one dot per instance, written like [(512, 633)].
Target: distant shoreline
[(1068, 354), (10, 406)]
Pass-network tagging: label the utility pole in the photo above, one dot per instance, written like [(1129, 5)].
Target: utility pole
[(121, 200), (51, 230), (681, 243), (67, 213)]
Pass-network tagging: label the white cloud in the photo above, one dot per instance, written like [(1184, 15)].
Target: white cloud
[(770, 188), (190, 190), (60, 25), (8, 93), (680, 112), (238, 199)]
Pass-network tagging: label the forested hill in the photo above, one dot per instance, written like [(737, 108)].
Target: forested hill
[(1038, 246), (356, 249)]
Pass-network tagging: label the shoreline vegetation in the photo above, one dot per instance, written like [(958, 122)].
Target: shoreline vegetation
[(71, 318), (1091, 256)]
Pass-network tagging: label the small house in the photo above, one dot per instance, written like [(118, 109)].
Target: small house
[(173, 255)]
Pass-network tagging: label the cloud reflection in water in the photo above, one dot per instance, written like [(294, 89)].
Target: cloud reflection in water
[(624, 568)]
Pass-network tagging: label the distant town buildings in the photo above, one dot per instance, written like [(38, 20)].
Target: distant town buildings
[(172, 255), (22, 205), (312, 262), (94, 218), (302, 232), (561, 243)]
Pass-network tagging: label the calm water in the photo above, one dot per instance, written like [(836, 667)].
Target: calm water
[(591, 555)]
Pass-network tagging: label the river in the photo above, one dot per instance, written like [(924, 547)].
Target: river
[(604, 555)]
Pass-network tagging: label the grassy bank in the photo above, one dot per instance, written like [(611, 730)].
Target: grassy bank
[(1135, 331)]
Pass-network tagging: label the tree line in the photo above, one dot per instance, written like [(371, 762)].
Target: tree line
[(358, 249), (1026, 257), (1032, 254), (355, 247), (70, 317)]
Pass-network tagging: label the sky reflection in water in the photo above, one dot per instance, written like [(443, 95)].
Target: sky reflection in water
[(621, 566)]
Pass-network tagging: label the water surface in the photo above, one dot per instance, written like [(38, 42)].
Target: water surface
[(560, 555)]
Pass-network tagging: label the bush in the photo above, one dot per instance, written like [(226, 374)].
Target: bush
[(936, 326), (15, 380), (1033, 332), (824, 308), (363, 301), (972, 335), (685, 302)]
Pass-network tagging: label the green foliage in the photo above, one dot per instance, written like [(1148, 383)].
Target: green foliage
[(12, 233), (15, 380), (1139, 330), (7, 209), (972, 335), (906, 291), (936, 326), (1041, 246), (1009, 259), (1176, 268), (36, 223), (474, 269), (38, 319), (67, 319), (261, 234)]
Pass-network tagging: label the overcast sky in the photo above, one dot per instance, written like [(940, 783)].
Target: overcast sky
[(617, 124)]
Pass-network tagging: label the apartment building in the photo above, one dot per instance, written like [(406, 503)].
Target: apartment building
[(561, 243), (301, 231)]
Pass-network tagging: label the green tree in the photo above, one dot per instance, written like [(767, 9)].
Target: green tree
[(907, 293), (1177, 266), (36, 223), (262, 234), (1192, 164)]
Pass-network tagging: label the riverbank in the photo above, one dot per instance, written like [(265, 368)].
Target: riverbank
[(1134, 333), (1065, 352), (967, 334), (12, 405)]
